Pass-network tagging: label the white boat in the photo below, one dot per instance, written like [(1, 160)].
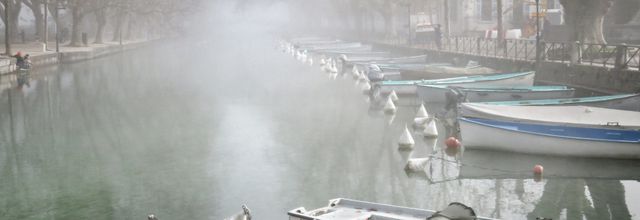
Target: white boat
[(437, 93), (629, 102), (348, 209), (489, 134), (336, 46), (409, 87), (385, 60), (578, 116)]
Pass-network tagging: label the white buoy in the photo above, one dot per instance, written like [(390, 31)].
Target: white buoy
[(422, 112), (393, 96), (389, 107), (431, 131), (366, 87), (406, 141), (323, 61), (354, 70), (310, 61), (416, 164)]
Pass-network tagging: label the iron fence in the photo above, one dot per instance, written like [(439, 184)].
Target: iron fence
[(607, 55)]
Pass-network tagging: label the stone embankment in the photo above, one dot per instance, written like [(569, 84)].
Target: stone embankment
[(67, 54)]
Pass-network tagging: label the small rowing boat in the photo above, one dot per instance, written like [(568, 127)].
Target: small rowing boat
[(563, 140), (437, 93), (630, 102), (504, 79)]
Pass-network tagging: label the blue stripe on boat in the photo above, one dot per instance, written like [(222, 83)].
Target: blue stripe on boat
[(564, 101), (592, 134)]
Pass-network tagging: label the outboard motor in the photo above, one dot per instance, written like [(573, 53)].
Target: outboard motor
[(455, 211), (374, 73)]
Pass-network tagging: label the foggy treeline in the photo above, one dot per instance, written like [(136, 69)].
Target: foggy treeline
[(101, 19)]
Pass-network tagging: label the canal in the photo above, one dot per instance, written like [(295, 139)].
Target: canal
[(195, 129)]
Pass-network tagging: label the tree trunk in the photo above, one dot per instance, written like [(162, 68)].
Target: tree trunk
[(75, 26), (14, 18), (101, 20), (585, 18), (118, 26), (447, 29), (35, 6), (500, 25)]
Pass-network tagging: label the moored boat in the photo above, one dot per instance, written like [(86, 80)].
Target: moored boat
[(348, 209), (578, 116), (504, 79), (437, 93), (546, 139), (629, 102)]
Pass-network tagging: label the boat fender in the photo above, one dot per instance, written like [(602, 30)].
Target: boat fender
[(455, 210)]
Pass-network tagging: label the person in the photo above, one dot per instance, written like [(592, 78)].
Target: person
[(26, 62), (437, 36), (19, 59)]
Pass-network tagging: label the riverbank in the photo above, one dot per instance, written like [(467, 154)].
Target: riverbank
[(590, 75), (67, 54)]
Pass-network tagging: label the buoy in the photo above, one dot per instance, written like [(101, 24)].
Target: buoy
[(389, 107), (406, 141), (422, 112), (538, 169), (420, 122), (354, 70), (366, 87), (323, 61), (310, 61), (430, 131), (537, 172), (393, 96), (416, 164), (452, 142)]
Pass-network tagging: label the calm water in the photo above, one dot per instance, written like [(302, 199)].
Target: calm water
[(194, 130)]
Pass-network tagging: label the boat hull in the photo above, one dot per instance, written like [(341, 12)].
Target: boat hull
[(522, 80), (484, 137), (438, 94)]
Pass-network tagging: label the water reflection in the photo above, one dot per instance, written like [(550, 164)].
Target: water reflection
[(120, 139)]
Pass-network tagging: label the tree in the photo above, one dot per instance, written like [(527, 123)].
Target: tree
[(585, 18), (15, 7), (625, 10), (38, 14)]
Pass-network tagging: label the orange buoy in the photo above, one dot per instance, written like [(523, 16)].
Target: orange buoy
[(538, 169), (452, 142)]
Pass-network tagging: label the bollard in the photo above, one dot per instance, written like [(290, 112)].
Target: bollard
[(621, 56)]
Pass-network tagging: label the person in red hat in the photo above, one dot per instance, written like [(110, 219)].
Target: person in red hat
[(19, 59)]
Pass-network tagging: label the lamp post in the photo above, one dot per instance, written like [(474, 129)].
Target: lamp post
[(46, 23), (409, 22), (537, 32), (60, 4), (7, 36)]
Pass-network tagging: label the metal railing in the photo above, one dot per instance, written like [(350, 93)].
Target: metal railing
[(619, 56)]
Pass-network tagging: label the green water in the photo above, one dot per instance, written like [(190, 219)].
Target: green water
[(194, 130)]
